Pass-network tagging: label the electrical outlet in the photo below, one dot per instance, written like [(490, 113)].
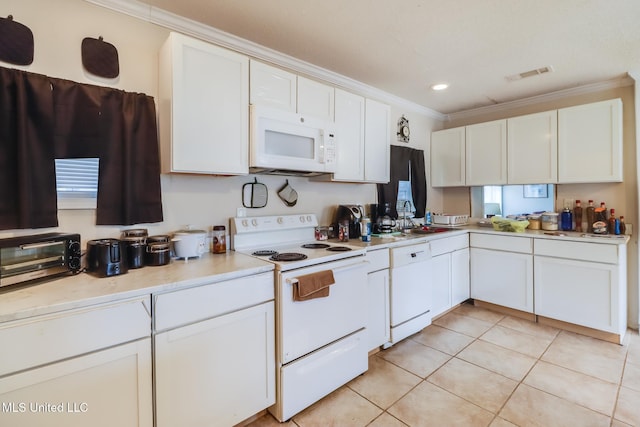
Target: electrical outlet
[(628, 229), (568, 203), (241, 212)]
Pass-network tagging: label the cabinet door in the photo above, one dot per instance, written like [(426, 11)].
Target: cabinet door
[(503, 278), (460, 290), (448, 158), (350, 134), (204, 99), (377, 140), (441, 284), (378, 308), (584, 293), (217, 372), (486, 153), (315, 99), (533, 148), (590, 142), (273, 86), (103, 389)]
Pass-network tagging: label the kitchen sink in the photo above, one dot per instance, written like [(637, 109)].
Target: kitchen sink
[(430, 230)]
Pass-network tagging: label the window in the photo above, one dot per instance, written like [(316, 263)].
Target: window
[(510, 200), (77, 183)]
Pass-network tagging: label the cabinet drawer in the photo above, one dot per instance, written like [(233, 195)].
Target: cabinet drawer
[(594, 252), (45, 339), (410, 254), (449, 244), (501, 243), (378, 259), (204, 302)]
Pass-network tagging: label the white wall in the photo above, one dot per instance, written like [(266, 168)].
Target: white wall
[(201, 201)]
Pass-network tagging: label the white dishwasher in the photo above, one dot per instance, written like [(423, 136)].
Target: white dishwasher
[(410, 290)]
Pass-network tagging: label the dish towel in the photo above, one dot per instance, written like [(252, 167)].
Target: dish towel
[(314, 285)]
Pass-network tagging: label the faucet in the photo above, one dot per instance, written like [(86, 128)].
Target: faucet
[(405, 208)]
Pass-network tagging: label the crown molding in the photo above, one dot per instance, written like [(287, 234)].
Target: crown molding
[(622, 81), (173, 22)]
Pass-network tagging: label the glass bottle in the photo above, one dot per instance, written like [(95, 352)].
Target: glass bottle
[(566, 220), (612, 223), (577, 215), (591, 216), (603, 205), (623, 227)]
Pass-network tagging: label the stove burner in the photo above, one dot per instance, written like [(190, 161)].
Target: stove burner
[(338, 249), (315, 246), (288, 256), (264, 253)]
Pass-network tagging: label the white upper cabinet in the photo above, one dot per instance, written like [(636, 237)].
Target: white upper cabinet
[(377, 141), (590, 142), (532, 148), (204, 108), (273, 86), (448, 158), (486, 153), (315, 99), (349, 111)]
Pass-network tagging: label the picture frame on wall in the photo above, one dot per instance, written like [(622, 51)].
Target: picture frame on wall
[(537, 191)]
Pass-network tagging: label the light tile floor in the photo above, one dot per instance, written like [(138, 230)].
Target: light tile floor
[(475, 367)]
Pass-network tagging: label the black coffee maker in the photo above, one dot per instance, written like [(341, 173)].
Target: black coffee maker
[(352, 214)]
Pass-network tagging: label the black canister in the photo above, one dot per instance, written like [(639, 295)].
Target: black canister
[(157, 253), (136, 248)]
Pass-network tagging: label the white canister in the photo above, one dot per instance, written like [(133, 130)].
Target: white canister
[(549, 221)]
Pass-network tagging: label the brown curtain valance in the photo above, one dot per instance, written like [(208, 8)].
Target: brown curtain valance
[(44, 118)]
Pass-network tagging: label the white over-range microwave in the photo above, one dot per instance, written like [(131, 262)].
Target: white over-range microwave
[(287, 143)]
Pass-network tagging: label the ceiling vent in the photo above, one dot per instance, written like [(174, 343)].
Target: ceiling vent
[(530, 73)]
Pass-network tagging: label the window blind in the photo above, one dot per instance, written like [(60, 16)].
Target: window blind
[(77, 178)]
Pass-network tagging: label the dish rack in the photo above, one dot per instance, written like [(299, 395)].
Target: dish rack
[(451, 220)]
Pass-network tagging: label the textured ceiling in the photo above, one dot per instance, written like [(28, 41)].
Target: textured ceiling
[(403, 47)]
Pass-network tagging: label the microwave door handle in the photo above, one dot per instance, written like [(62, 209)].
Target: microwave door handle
[(321, 147)]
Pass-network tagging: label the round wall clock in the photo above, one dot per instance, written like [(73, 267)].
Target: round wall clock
[(403, 129)]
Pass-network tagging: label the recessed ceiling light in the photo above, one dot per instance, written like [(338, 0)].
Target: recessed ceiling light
[(439, 86)]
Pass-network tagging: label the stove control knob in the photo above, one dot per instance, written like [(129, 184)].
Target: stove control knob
[(254, 222), (308, 218), (302, 219), (245, 223), (280, 220)]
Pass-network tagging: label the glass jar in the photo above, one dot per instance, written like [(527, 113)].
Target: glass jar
[(549, 221), (534, 222), (219, 239)]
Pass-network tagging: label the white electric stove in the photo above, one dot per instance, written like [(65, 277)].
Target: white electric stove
[(321, 341), (288, 241)]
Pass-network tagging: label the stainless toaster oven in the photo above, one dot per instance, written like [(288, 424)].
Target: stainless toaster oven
[(27, 258)]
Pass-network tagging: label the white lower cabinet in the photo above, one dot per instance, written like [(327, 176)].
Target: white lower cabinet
[(85, 367), (215, 353), (450, 272), (582, 283), (377, 298), (502, 270)]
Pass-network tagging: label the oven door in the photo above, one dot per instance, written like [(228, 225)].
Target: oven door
[(306, 326)]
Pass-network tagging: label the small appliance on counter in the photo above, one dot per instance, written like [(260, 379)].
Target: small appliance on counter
[(189, 243), (351, 214), (27, 258), (107, 257)]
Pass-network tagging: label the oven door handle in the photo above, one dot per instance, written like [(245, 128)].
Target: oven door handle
[(293, 280)]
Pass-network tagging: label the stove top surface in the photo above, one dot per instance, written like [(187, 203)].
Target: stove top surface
[(263, 237)]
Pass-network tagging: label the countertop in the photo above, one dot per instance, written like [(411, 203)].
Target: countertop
[(83, 289)]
